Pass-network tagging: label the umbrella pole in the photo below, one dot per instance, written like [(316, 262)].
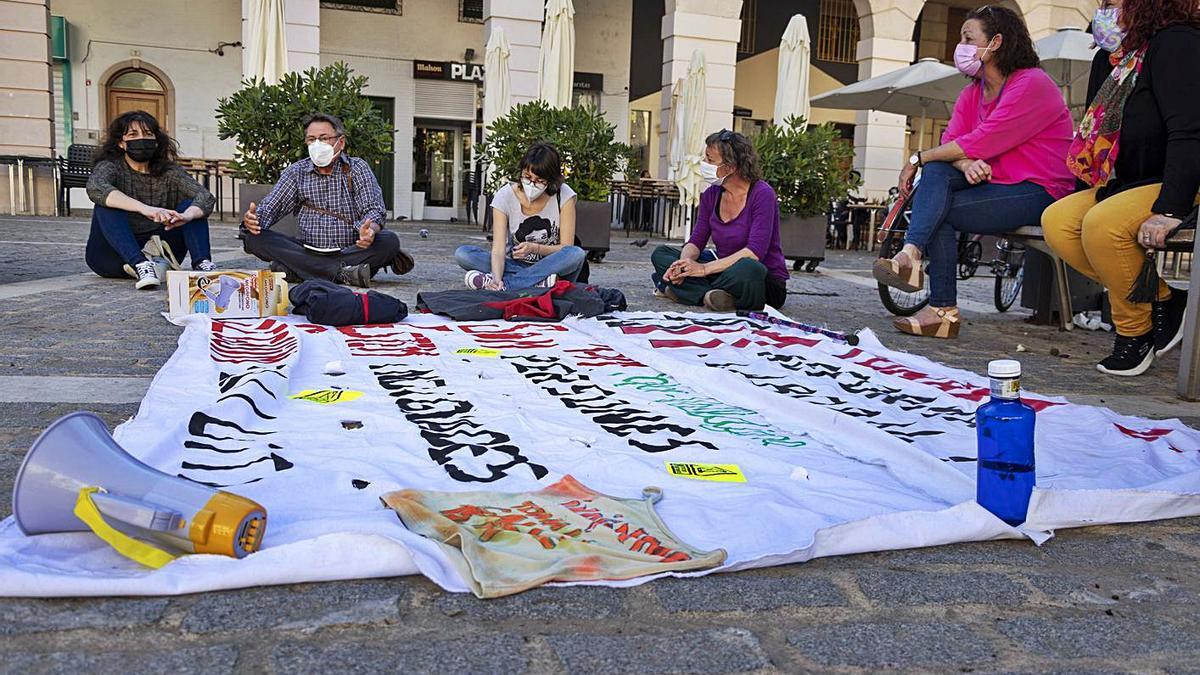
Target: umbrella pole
[(921, 136)]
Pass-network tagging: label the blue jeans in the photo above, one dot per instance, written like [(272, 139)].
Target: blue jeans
[(945, 204), (518, 274), (112, 244)]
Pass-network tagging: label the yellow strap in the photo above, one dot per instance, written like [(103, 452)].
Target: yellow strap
[(124, 544)]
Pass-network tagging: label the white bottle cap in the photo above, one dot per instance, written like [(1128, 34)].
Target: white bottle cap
[(1004, 368)]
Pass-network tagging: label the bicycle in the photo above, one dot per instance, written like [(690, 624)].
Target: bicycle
[(1008, 267)]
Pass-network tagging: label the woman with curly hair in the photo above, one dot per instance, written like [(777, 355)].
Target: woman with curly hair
[(739, 213), (1138, 147), (998, 166), (139, 193)]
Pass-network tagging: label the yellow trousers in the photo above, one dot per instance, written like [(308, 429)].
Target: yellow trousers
[(1100, 240)]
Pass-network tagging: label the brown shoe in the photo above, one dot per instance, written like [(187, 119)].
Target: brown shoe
[(669, 293), (719, 301), (935, 322), (899, 272), (403, 263)]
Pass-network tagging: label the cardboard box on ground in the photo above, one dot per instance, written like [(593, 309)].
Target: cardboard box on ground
[(228, 294)]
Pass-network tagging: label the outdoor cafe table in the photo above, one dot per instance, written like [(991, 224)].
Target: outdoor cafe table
[(873, 209)]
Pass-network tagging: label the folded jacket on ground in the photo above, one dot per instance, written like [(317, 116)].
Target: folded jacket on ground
[(529, 304), (329, 304)]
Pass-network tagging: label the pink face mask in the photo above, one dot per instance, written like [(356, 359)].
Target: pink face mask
[(967, 59)]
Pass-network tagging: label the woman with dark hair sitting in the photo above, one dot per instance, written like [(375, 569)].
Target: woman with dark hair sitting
[(140, 192), (997, 169), (739, 212), (532, 218), (1138, 148)]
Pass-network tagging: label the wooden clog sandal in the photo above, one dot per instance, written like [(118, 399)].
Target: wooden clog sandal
[(899, 272), (930, 322)]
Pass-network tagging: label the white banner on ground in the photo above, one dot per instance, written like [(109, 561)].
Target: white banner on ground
[(774, 445)]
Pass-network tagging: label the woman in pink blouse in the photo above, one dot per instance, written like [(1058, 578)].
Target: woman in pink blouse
[(998, 167)]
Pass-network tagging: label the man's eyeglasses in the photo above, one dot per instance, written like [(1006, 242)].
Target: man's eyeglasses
[(309, 140)]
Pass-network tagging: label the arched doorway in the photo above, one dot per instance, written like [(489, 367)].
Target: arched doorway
[(136, 89)]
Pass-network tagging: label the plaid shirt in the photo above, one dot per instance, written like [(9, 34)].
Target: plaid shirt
[(300, 183)]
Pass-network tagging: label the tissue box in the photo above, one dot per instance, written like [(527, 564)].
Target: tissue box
[(228, 294)]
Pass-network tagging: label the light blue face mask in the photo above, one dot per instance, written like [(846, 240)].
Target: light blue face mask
[(1105, 31)]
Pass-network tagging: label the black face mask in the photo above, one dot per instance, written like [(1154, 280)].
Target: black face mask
[(141, 149)]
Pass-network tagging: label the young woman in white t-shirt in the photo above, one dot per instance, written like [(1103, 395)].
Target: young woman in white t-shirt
[(532, 220)]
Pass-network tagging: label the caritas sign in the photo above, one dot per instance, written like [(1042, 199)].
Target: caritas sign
[(446, 70)]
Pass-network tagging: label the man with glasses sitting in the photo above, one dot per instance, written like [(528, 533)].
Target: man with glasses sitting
[(340, 215)]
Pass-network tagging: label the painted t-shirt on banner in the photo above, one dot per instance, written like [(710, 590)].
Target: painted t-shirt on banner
[(503, 543), (540, 228)]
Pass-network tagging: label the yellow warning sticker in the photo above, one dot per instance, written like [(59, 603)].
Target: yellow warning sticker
[(478, 351), (721, 473), (327, 395)]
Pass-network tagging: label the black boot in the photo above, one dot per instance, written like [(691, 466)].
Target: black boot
[(1168, 321), (1130, 356)]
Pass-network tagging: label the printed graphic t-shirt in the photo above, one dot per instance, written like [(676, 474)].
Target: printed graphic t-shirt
[(540, 228), (504, 543)]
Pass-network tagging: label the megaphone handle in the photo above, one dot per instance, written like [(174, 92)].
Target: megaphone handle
[(137, 551)]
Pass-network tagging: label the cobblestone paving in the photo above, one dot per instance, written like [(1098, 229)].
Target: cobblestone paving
[(1103, 599)]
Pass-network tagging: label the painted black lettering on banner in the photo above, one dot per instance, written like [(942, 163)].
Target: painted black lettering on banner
[(861, 384), (780, 385), (447, 426), (614, 414)]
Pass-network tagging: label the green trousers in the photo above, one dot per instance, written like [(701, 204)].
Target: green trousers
[(746, 280)]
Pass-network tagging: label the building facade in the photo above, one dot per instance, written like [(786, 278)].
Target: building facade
[(70, 66)]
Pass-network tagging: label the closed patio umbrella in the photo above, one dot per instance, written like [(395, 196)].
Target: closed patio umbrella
[(497, 90), (556, 73), (694, 106), (791, 84), (266, 41)]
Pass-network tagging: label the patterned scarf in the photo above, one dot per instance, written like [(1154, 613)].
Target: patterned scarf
[(1093, 154)]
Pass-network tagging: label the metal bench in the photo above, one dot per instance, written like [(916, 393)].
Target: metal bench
[(1031, 237)]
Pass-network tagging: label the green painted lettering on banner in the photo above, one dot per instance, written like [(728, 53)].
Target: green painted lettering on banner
[(714, 415)]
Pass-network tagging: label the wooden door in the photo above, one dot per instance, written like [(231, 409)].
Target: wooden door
[(121, 101)]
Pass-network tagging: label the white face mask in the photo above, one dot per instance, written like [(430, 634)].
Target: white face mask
[(320, 153), (532, 190), (709, 173)]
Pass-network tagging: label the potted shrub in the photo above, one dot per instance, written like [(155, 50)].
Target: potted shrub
[(809, 169), (590, 153), (265, 119)]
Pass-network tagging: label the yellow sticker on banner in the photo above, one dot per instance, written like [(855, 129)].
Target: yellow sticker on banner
[(327, 395), (478, 351), (721, 473)]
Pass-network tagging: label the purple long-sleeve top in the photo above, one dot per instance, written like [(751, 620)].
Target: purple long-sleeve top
[(755, 228)]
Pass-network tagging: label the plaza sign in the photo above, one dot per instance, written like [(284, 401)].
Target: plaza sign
[(447, 70)]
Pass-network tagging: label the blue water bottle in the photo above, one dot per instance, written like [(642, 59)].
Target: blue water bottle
[(1005, 430)]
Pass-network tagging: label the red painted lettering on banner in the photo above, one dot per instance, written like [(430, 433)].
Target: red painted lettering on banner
[(602, 355), (386, 340), (1147, 435), (269, 341)]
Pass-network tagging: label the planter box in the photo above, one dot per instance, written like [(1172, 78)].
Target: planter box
[(254, 192), (803, 239), (592, 225)]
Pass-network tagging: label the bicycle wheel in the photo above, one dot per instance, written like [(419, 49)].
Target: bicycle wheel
[(1009, 270), (969, 255), (895, 300)]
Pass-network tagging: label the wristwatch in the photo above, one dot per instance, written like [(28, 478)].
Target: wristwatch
[(915, 159)]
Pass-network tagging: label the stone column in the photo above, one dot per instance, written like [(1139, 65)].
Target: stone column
[(302, 19), (885, 45), (26, 97), (714, 27), (1043, 17), (522, 23)]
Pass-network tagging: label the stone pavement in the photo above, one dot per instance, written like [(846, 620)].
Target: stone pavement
[(1104, 599)]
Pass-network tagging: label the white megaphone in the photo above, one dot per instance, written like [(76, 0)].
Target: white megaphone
[(76, 472)]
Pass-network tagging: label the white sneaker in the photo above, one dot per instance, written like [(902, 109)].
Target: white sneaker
[(548, 282), (477, 280), (147, 276), (206, 266)]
